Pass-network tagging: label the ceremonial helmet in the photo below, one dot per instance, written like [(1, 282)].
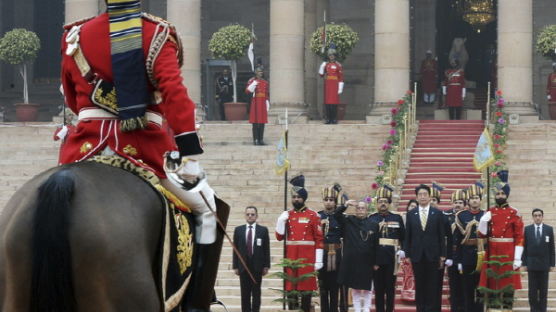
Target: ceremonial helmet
[(334, 191), (460, 195), (476, 189), (332, 49), (435, 190), (503, 184), (385, 191), (298, 186)]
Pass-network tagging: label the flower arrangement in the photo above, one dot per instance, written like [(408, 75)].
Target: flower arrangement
[(20, 47), (343, 36), (546, 42), (230, 43), (499, 135)]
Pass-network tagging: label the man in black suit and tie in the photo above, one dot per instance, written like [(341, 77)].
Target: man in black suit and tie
[(538, 257), (253, 243), (425, 247)]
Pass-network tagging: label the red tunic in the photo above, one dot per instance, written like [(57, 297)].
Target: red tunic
[(551, 87), (455, 82), (71, 129), (505, 224), (304, 236), (429, 75), (332, 77), (258, 112), (143, 147)]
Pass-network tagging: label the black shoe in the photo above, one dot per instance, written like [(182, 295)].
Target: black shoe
[(334, 122), (327, 122), (255, 142), (262, 143)]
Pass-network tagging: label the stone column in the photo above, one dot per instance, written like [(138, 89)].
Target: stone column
[(515, 55), (80, 9), (186, 16), (287, 57), (391, 55), (311, 24)]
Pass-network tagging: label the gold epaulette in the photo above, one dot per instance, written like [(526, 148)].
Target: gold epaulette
[(69, 26), (154, 18)]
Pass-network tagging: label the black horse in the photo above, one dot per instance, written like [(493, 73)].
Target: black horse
[(86, 237)]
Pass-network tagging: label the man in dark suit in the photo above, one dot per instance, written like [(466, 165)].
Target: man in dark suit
[(253, 243), (538, 257), (425, 247)]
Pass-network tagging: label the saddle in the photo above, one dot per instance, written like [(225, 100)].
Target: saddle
[(186, 271)]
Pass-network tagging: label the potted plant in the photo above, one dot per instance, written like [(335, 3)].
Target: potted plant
[(293, 297), (498, 299), (343, 37), (19, 47), (546, 46), (230, 43)]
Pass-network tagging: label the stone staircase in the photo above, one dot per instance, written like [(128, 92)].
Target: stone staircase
[(243, 175)]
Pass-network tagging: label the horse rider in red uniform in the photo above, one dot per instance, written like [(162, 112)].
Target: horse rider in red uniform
[(505, 238), (301, 228), (429, 78), (333, 85), (260, 104), (551, 92), (121, 77), (454, 89)]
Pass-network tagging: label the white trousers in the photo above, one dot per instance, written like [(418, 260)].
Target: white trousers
[(429, 97), (362, 300)]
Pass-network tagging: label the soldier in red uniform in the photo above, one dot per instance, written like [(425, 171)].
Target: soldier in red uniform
[(454, 89), (123, 90), (429, 78), (64, 130), (551, 92), (505, 238), (301, 228), (260, 104), (333, 85)]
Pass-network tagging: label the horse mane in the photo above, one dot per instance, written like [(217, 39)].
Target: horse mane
[(52, 280)]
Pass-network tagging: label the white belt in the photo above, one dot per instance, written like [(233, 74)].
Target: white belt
[(501, 240), (300, 243), (101, 114)]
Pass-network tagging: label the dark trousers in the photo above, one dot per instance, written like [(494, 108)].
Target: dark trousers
[(455, 113), (293, 304), (427, 285), (331, 112), (384, 281), (258, 133), (330, 291), (538, 290), (456, 289), (250, 292), (470, 282)]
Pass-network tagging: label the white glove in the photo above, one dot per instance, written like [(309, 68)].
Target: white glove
[(251, 88), (281, 223), (460, 267), (401, 254), (267, 105), (483, 223), (443, 90), (318, 259), (463, 93), (449, 262), (548, 97), (518, 252), (321, 69), (62, 133), (340, 87)]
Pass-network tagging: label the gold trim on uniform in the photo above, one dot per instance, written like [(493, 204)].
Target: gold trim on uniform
[(86, 147), (130, 150), (184, 246)]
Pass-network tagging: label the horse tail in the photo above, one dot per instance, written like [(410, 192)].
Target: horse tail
[(52, 282)]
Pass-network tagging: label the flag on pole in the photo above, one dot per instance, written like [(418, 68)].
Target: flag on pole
[(282, 162), (484, 154), (250, 50)]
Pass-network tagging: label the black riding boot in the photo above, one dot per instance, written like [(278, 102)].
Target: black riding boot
[(327, 113), (255, 133), (333, 114), (261, 134)]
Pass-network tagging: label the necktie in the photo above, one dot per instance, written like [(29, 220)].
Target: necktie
[(538, 234), (250, 241), (424, 218)]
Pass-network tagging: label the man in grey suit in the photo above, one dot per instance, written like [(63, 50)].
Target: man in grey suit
[(538, 258), (253, 243)]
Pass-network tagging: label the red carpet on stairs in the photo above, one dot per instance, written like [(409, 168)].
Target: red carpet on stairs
[(443, 152)]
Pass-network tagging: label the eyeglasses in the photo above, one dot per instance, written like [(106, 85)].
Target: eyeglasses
[(250, 214), (382, 201)]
